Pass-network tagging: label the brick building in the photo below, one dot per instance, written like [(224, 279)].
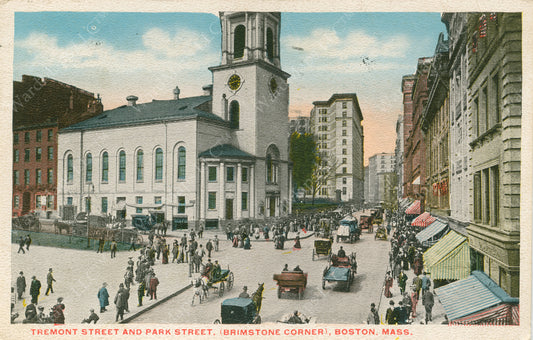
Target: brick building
[(435, 124), (415, 147), (40, 108), (407, 91)]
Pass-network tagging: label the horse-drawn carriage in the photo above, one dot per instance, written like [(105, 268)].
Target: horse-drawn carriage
[(348, 230), (366, 222), (219, 283), (291, 282), (27, 222), (340, 269), (322, 248), (381, 233), (242, 310)]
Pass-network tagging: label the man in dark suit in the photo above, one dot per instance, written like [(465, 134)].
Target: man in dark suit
[(35, 289), (21, 285)]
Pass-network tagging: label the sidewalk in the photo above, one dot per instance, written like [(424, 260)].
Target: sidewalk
[(437, 312)]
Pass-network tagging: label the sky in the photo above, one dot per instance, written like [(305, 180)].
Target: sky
[(149, 54)]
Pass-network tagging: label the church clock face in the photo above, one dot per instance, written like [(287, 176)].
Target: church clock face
[(273, 85), (234, 82)]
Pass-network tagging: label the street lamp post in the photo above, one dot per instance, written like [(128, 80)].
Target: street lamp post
[(90, 187)]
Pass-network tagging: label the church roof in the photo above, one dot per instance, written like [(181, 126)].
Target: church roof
[(155, 111), (224, 151)]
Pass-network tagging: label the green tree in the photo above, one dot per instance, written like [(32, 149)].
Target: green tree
[(303, 155)]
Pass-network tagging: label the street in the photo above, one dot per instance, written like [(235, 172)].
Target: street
[(79, 275)]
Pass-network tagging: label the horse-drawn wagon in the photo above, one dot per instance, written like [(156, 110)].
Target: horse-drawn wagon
[(340, 269), (322, 248), (291, 282)]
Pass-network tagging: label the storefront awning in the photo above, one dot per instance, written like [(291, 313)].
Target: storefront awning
[(473, 299), (423, 220), (432, 233), (502, 314), (414, 209), (448, 259)]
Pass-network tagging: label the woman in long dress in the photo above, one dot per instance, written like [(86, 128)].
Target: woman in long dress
[(165, 255), (388, 285)]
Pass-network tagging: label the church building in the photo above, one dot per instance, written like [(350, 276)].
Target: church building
[(213, 158)]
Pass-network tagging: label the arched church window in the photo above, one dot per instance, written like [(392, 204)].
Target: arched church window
[(234, 112), (270, 44), (70, 168), (272, 164), (105, 167), (89, 168), (122, 166), (181, 162), (239, 41), (158, 164), (140, 165)]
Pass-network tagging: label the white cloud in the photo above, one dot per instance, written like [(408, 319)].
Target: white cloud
[(161, 51), (324, 42)]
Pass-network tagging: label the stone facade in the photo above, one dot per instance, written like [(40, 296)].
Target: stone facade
[(494, 115), (336, 124), (398, 154), (407, 93), (380, 166)]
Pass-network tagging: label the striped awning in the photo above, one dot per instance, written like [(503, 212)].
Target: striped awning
[(448, 259), (414, 209), (472, 295), (404, 203), (502, 314), (423, 220), (431, 234)]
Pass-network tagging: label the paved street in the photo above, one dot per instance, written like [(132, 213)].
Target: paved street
[(79, 276), (257, 265)]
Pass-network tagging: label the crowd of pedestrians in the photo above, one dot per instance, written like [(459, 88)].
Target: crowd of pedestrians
[(406, 255)]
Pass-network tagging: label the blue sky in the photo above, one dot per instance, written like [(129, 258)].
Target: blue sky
[(148, 54)]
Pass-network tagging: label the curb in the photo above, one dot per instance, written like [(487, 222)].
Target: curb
[(163, 300), (307, 235)]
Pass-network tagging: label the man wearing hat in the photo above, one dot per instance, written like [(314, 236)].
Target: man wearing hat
[(41, 317), (244, 293), (35, 289), (391, 315), (103, 297), (21, 285), (49, 280), (373, 316), (93, 317)]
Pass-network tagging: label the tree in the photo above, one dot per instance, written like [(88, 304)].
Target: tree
[(325, 171), (304, 158)]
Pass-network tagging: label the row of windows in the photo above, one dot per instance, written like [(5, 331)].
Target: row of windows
[(139, 164), (486, 105), (38, 136), (38, 177), (38, 154), (230, 174), (40, 200), (487, 196), (212, 200)]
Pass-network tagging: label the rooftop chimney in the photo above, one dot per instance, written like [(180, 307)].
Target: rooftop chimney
[(177, 93), (208, 90), (132, 100)]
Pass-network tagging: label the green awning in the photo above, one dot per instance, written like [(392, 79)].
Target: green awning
[(448, 259)]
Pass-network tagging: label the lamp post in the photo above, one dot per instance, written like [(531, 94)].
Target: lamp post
[(90, 187)]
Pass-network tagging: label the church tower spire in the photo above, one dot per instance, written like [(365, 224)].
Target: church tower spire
[(250, 36)]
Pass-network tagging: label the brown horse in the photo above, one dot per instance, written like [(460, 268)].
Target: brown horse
[(257, 296)]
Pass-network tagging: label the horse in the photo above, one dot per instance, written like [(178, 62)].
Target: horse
[(59, 226), (257, 297), (201, 289)]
